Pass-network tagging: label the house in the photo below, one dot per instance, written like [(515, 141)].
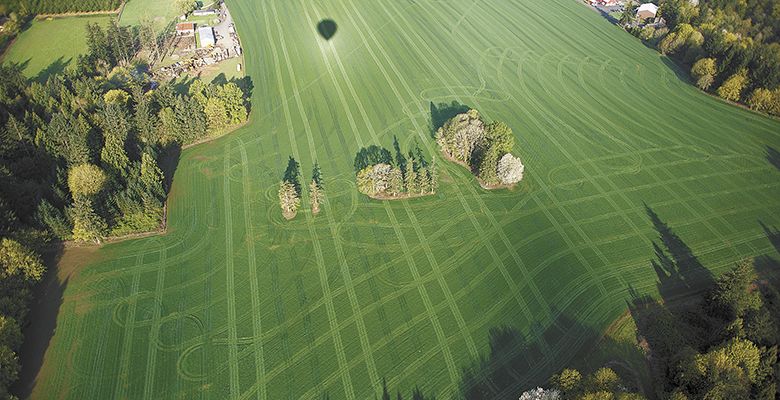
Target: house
[(203, 13), (206, 35), (185, 29), (646, 11)]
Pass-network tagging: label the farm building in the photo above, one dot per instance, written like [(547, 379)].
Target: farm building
[(647, 11), (185, 29), (203, 13), (206, 35)]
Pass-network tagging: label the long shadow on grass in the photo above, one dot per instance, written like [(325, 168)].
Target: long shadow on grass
[(773, 156), (679, 270), (55, 68), (676, 322), (516, 362), (442, 112), (169, 162), (47, 300), (772, 234)]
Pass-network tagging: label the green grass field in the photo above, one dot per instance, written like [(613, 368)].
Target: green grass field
[(235, 302), (162, 12), (49, 46)]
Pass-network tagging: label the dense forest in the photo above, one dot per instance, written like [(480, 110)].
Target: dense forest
[(57, 6), (732, 47), (83, 157)]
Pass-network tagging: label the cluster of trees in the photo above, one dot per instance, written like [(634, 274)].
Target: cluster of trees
[(290, 189), (184, 7), (731, 46), (604, 384), (81, 152), (59, 6), (482, 147), (725, 346), (379, 175)]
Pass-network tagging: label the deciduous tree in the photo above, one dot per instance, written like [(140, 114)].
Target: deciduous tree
[(703, 72), (86, 180), (289, 200), (510, 169), (732, 88)]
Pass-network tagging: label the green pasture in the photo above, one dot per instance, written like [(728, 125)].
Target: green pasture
[(235, 302), (50, 45), (161, 12)]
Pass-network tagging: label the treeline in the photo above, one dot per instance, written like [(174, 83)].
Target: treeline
[(482, 147), (731, 47), (381, 176), (58, 6)]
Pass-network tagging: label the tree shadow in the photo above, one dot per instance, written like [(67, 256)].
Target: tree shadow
[(292, 174), (182, 86), (47, 300), (772, 234), (678, 70), (515, 362), (372, 155), (327, 28), (768, 268), (220, 79), (247, 87), (773, 156), (168, 163), (442, 112), (55, 68), (681, 271), (416, 393)]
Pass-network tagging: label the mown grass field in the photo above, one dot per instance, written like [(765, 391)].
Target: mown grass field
[(49, 46), (235, 302)]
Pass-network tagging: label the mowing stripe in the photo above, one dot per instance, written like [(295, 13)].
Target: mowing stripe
[(333, 226), (253, 282), (426, 142), (470, 345), (154, 330), (449, 360), (491, 217), (230, 283), (127, 340), (323, 275)]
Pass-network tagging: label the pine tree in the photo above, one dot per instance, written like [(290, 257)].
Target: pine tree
[(488, 164), (315, 196), (87, 225), (410, 179), (152, 176), (116, 127), (396, 182), (424, 181), (434, 177), (316, 193)]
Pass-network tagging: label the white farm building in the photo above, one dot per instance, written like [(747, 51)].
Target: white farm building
[(206, 35)]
